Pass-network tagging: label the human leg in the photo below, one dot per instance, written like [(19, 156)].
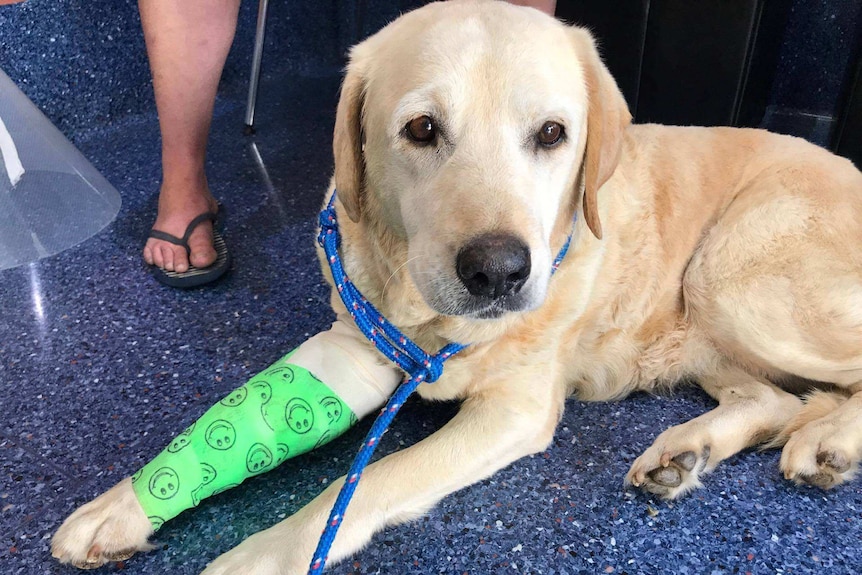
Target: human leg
[(187, 43), (546, 6)]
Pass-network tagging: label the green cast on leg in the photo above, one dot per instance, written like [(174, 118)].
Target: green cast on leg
[(281, 412)]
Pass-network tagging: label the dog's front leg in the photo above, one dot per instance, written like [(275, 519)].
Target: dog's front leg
[(490, 431)]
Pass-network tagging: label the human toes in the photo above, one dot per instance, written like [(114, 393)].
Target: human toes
[(203, 253), (203, 256)]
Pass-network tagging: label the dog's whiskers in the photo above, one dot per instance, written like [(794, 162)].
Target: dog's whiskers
[(392, 275)]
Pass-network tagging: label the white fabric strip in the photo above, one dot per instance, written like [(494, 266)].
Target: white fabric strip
[(342, 359), (14, 168)]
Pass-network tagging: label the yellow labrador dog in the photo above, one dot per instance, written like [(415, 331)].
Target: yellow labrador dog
[(469, 136)]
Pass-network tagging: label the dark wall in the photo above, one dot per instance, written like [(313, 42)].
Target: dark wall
[(786, 65), (821, 45)]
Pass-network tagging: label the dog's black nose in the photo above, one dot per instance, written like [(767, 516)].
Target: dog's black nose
[(492, 265)]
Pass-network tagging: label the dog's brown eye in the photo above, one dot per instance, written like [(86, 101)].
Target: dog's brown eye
[(550, 134), (421, 130)]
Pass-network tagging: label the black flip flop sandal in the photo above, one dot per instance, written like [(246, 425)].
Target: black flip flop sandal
[(193, 277)]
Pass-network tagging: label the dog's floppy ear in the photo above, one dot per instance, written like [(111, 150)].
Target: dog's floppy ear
[(347, 142), (607, 118)]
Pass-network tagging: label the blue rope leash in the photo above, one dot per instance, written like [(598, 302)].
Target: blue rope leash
[(420, 365)]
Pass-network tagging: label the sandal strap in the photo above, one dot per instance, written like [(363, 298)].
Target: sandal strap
[(184, 241), (160, 235), (208, 216)]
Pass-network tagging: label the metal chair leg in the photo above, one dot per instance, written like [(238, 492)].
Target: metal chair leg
[(255, 66)]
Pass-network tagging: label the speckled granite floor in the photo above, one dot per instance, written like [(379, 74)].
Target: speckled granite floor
[(100, 366)]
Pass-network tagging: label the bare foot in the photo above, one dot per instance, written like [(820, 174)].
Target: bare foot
[(177, 207)]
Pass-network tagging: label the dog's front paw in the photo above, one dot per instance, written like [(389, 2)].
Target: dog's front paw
[(672, 465), (819, 454), (277, 551), (112, 527)]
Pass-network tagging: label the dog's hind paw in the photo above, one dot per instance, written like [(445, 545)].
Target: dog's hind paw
[(669, 469), (112, 527), (816, 455)]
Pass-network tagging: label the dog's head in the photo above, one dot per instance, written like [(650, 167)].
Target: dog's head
[(474, 131)]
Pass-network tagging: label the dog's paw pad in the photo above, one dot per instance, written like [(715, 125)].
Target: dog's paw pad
[(688, 460), (666, 476), (814, 456), (821, 479), (668, 473), (96, 557), (834, 460)]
